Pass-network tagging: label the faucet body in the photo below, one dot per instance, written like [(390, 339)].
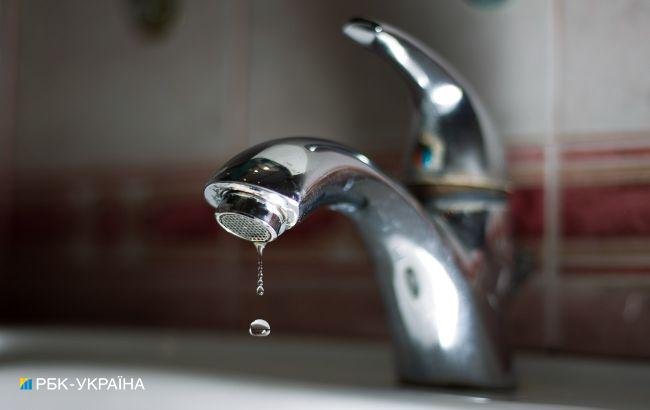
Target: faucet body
[(442, 255), (441, 329)]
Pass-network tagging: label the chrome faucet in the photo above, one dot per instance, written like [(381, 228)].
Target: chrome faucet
[(442, 254)]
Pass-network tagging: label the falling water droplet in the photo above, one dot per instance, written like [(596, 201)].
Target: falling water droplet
[(259, 247), (259, 328)]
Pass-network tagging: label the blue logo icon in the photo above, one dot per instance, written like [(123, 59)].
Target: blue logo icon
[(25, 383)]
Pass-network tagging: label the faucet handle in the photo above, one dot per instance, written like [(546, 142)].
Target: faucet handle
[(454, 142)]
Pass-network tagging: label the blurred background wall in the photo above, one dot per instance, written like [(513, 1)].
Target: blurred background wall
[(113, 114)]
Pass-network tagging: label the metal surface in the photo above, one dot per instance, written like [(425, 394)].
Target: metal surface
[(246, 227), (243, 215), (444, 263), (454, 141)]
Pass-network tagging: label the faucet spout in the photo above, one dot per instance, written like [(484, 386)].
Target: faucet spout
[(442, 332)]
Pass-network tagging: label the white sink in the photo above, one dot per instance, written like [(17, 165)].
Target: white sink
[(225, 371)]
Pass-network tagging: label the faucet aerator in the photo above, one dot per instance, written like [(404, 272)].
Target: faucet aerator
[(248, 218)]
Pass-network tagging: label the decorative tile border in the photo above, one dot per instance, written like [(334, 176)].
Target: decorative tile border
[(130, 235)]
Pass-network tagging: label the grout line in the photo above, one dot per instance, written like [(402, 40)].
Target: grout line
[(552, 192)]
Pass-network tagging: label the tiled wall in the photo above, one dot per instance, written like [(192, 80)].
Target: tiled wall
[(116, 134), (8, 75)]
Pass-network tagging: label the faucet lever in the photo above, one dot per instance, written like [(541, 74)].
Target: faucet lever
[(455, 144)]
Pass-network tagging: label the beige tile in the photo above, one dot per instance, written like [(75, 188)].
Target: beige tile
[(93, 90), (606, 61)]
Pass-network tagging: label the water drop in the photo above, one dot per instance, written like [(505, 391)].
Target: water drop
[(259, 247), (259, 328)]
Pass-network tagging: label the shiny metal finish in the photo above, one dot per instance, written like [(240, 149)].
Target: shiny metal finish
[(444, 330), (243, 215), (444, 263), (454, 142), (456, 165)]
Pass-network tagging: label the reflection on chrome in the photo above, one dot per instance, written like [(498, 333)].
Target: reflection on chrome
[(446, 96), (399, 53), (425, 294), (446, 107), (363, 159)]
